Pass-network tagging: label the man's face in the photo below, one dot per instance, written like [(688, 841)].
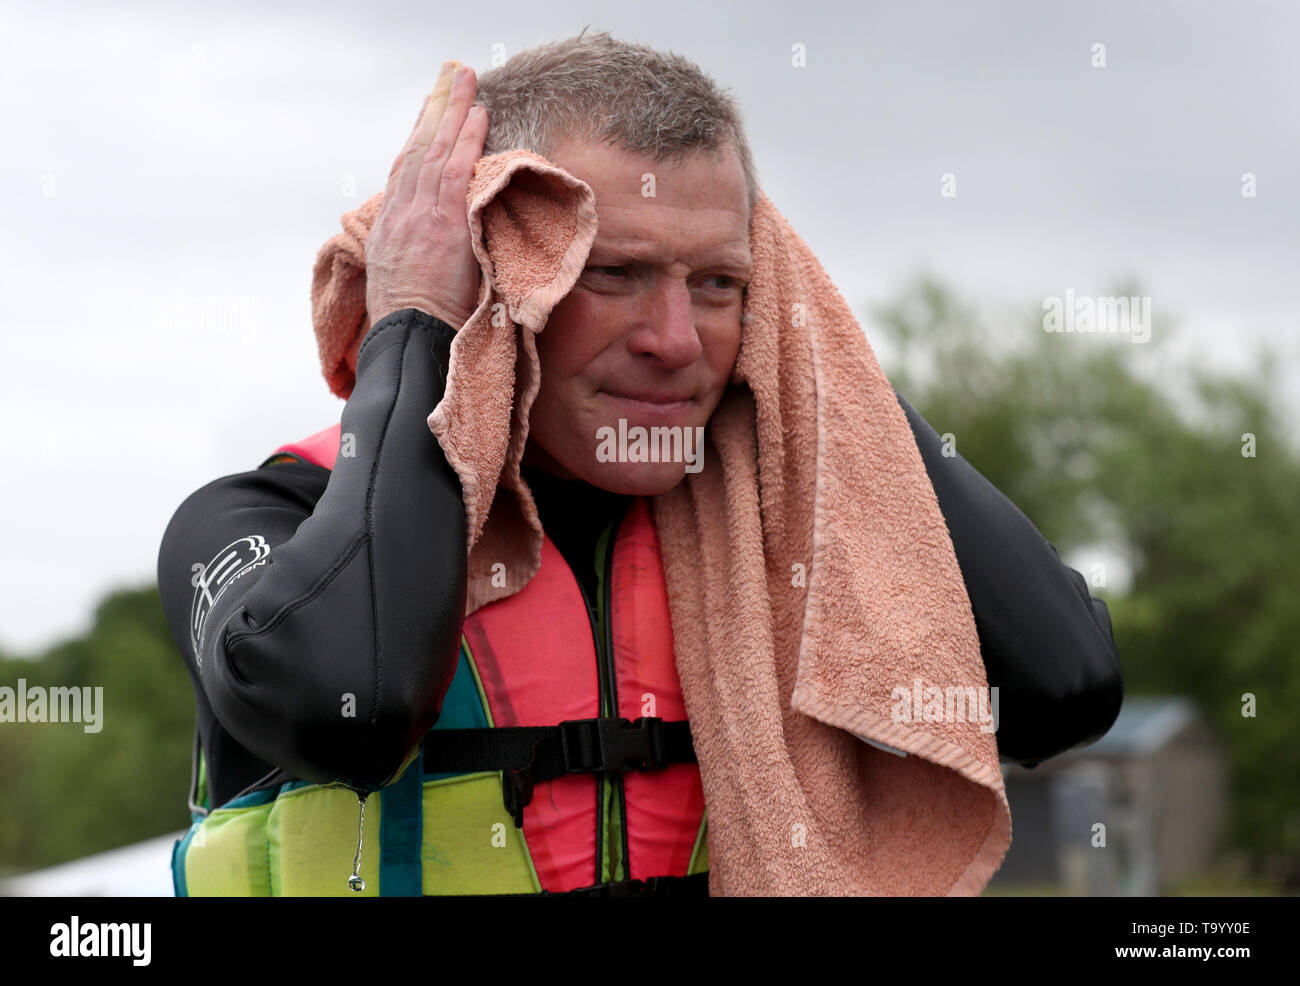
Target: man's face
[(655, 314)]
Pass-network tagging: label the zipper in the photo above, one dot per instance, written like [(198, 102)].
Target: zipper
[(600, 778), (602, 637), (612, 678)]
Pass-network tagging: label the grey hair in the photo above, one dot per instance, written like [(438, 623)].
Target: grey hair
[(595, 88)]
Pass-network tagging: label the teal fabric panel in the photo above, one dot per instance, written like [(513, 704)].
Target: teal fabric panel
[(462, 707), (401, 826)]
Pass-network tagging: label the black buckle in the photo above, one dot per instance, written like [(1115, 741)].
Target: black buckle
[(619, 744), (517, 785), (588, 746)]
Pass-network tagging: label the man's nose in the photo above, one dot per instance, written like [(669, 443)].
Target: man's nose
[(667, 329)]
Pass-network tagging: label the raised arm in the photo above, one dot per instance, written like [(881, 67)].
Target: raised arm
[(1047, 644), (325, 639)]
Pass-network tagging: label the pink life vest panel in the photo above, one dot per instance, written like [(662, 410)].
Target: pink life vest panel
[(536, 660)]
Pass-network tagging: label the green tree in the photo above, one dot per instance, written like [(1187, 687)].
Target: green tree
[(68, 793), (1104, 442)]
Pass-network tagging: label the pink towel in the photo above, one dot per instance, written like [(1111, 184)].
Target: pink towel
[(809, 571)]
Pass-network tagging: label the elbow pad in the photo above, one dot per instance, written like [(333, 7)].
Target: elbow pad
[(1047, 645), (334, 664)]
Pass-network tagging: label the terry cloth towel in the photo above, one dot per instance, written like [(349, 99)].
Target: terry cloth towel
[(812, 582)]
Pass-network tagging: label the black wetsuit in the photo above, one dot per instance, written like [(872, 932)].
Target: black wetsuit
[(321, 584)]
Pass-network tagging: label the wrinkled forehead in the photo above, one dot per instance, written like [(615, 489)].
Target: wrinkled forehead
[(724, 250), (692, 207)]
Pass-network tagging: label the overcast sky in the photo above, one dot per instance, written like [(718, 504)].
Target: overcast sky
[(157, 153)]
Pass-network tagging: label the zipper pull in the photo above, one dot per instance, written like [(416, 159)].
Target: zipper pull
[(354, 881)]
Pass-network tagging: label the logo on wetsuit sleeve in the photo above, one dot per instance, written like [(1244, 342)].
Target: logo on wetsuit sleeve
[(214, 578)]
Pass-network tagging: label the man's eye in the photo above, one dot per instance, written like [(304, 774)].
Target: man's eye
[(608, 271), (728, 283)]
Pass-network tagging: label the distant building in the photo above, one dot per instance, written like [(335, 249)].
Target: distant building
[(1156, 781)]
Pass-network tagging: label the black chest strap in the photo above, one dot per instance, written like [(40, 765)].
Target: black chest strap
[(529, 755)]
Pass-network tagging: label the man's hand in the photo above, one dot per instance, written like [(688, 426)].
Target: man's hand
[(418, 253)]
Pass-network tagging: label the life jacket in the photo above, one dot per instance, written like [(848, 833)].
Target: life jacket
[(561, 761)]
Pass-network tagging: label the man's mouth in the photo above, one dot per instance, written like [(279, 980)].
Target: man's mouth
[(650, 402)]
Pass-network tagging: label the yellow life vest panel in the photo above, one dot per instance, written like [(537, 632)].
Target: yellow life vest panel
[(535, 659)]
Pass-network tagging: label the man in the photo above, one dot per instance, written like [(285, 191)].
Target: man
[(307, 586)]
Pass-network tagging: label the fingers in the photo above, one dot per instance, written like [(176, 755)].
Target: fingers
[(454, 182), (397, 162), (420, 116), (450, 141), (406, 169), (428, 125)]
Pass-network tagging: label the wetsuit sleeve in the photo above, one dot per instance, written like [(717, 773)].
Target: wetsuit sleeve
[(1047, 644), (325, 637), (237, 515)]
